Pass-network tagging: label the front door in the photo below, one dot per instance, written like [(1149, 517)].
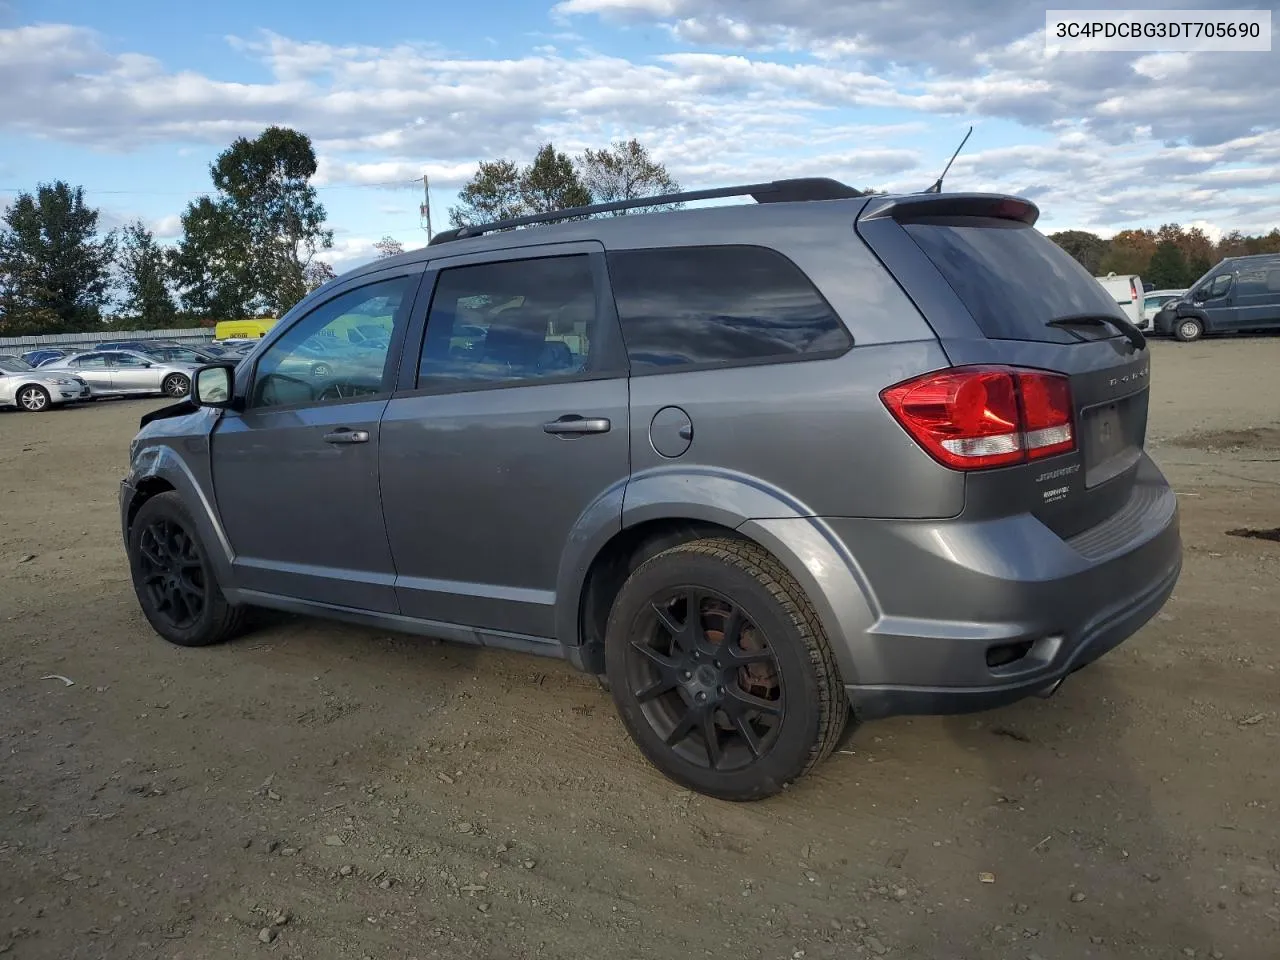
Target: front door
[(1216, 302), (94, 370), (295, 472), (512, 426)]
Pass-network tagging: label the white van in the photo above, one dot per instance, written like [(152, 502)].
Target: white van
[(1127, 291)]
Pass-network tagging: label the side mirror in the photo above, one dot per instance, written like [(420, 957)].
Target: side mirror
[(212, 385)]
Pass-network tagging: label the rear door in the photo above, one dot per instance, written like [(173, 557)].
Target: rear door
[(95, 370), (997, 291), (510, 424), (131, 373)]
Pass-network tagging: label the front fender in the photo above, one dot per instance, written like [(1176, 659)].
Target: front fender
[(176, 451)]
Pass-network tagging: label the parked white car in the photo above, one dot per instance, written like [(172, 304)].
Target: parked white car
[(25, 387), (1126, 290)]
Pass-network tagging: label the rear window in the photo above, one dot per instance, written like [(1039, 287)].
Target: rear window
[(721, 305), (1012, 278)]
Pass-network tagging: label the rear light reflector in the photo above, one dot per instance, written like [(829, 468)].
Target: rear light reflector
[(973, 418)]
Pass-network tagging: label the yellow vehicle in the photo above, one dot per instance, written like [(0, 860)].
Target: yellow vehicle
[(242, 329)]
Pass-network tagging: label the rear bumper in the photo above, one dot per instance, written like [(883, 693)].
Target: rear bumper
[(956, 597)]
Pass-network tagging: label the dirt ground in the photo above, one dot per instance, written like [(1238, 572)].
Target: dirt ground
[(320, 791)]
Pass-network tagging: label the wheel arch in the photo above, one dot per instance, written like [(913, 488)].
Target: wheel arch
[(159, 469), (662, 516)]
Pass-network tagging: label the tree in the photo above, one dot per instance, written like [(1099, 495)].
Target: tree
[(54, 268), (264, 226), (144, 275), (625, 171), (1088, 249), (1130, 251), (551, 183), (492, 194), (318, 274), (1168, 268), (388, 247), (213, 263), (501, 190)]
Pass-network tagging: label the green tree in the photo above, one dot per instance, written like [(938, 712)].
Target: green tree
[(501, 189), (213, 263), (144, 276), (1168, 268), (318, 274), (54, 267), (388, 246), (1086, 248), (551, 183), (263, 227), (625, 171), (492, 194)]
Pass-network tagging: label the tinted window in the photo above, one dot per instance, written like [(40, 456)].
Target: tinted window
[(513, 320), (718, 305), (1217, 287), (91, 360), (1012, 278), (314, 362)]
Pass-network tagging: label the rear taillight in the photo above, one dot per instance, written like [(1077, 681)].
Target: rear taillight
[(971, 418), (1133, 289)]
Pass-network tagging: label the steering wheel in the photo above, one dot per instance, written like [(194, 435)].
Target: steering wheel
[(267, 396), (344, 390)]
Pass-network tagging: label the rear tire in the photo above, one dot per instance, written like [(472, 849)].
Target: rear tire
[(1188, 329), (176, 385), (740, 701), (34, 399), (174, 581)]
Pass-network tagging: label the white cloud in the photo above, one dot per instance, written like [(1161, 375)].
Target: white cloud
[(1117, 139)]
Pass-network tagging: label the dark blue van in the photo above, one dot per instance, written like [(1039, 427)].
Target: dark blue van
[(1239, 294)]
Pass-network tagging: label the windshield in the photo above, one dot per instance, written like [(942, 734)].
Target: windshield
[(14, 364)]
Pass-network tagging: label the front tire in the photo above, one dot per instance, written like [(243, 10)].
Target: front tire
[(173, 579), (1188, 329), (34, 399), (740, 698), (176, 385)]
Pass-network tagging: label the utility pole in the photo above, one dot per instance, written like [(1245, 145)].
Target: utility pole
[(424, 210)]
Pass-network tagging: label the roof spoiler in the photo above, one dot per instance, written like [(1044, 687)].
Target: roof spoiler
[(916, 206)]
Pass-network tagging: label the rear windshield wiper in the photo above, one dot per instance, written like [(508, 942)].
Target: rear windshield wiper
[(1130, 332)]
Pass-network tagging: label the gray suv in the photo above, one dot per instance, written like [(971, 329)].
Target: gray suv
[(764, 468)]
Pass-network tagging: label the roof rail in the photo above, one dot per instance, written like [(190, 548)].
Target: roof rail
[(777, 191)]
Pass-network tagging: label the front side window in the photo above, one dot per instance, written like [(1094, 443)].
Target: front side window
[(683, 306), (1218, 287), (94, 361), (510, 321), (312, 363)]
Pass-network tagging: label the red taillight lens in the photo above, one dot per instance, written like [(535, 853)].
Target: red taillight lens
[(971, 418)]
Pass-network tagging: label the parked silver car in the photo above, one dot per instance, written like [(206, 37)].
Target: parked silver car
[(25, 387), (113, 373)]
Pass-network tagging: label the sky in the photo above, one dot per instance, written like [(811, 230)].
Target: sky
[(134, 100)]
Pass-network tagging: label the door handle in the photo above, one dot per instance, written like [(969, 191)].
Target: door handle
[(347, 435), (572, 424)]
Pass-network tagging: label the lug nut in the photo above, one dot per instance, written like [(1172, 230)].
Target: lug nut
[(702, 697)]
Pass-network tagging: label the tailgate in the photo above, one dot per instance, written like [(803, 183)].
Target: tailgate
[(998, 291)]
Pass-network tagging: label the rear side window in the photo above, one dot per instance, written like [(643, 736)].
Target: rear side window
[(1012, 278), (721, 305)]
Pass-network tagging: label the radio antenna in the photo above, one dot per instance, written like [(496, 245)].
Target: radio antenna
[(937, 186)]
